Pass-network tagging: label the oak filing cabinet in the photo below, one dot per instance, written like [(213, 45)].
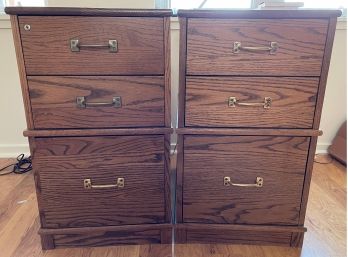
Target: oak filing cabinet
[(250, 97), (96, 89)]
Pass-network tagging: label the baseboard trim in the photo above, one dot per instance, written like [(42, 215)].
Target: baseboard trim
[(322, 148), (13, 150)]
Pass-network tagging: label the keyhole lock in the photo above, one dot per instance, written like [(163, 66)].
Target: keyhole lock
[(27, 27)]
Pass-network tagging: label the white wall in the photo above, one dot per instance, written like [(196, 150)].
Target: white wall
[(12, 120), (335, 102)]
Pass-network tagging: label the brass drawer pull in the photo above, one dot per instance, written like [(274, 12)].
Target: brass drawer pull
[(237, 46), (233, 101), (75, 45), (81, 102), (258, 183), (87, 183)]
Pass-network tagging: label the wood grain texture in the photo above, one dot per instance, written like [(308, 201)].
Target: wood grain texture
[(239, 237), (324, 71), (76, 11), (53, 101), (308, 178), (182, 71), (280, 161), (326, 222), (105, 238), (179, 179), (167, 180), (46, 240), (293, 102), (46, 46), (300, 52), (167, 73), (259, 14), (63, 164), (22, 71), (234, 227), (97, 132), (248, 132)]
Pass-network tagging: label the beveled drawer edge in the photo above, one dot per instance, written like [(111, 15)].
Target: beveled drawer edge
[(238, 227), (273, 228), (249, 132), (78, 11), (86, 230), (259, 14), (97, 132)]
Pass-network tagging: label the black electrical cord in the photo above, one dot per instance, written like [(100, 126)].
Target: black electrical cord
[(22, 165)]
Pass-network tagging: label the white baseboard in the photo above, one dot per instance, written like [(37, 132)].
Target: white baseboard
[(13, 150), (322, 148)]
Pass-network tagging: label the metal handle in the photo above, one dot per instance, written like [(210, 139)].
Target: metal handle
[(87, 183), (233, 101), (237, 46), (75, 45), (258, 183), (81, 102)]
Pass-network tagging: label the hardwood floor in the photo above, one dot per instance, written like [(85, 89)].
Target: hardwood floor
[(326, 223)]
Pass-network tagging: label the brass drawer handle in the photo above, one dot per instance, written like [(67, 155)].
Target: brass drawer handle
[(75, 45), (237, 46), (81, 102), (233, 101), (258, 183), (87, 183)]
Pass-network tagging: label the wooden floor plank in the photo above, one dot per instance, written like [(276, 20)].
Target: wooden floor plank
[(325, 220)]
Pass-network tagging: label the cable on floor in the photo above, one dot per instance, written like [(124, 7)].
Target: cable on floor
[(22, 165)]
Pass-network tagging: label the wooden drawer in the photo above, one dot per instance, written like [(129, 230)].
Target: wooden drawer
[(46, 45), (63, 164), (280, 161), (209, 102), (54, 101), (210, 46)]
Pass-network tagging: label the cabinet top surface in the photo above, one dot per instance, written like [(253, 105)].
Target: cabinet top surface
[(74, 11), (259, 14), (190, 13)]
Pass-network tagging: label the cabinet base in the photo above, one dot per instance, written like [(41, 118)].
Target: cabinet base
[(239, 234), (103, 236)]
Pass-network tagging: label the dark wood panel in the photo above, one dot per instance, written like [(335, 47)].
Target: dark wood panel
[(259, 14), (167, 72), (63, 164), (97, 132), (308, 178), (182, 72), (167, 180), (300, 47), (239, 237), (53, 101), (46, 45), (108, 238), (248, 132), (179, 179), (21, 71), (100, 12), (280, 161), (293, 102)]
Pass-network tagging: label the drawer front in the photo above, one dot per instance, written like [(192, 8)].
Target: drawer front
[(64, 163), (47, 50), (140, 101), (280, 161), (220, 102), (210, 46)]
